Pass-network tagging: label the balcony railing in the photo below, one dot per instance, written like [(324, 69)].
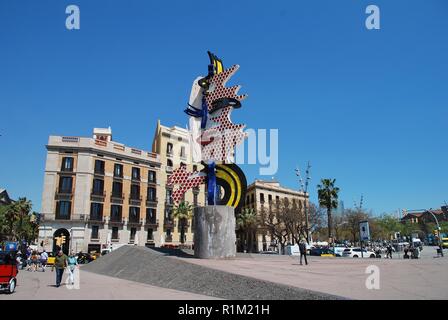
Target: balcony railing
[(60, 216), (64, 194), (169, 223), (169, 169), (169, 238), (94, 218), (116, 221), (117, 197), (151, 222), (151, 202), (135, 200), (97, 195), (135, 222)]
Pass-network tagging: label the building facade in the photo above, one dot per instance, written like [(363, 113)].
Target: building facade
[(260, 196), (98, 192), (172, 144)]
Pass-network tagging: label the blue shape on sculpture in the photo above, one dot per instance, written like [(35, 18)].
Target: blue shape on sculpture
[(199, 113), (211, 184)]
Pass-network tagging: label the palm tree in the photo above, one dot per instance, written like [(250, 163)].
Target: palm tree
[(23, 208), (328, 198), (246, 222), (11, 217), (183, 212)]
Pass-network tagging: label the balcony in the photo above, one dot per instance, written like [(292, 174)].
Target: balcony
[(169, 224), (97, 195), (117, 198), (96, 219), (61, 216), (116, 221), (169, 169), (169, 238), (64, 194), (152, 223), (135, 222), (135, 199), (98, 172), (151, 202)]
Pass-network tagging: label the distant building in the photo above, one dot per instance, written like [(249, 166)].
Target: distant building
[(4, 198), (98, 192), (262, 195), (425, 216), (172, 144)]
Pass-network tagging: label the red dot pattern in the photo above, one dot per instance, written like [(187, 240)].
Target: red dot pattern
[(180, 178), (219, 81)]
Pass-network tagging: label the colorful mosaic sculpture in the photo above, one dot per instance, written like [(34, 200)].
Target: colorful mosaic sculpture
[(213, 138)]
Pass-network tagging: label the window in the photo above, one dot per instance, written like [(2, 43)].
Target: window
[(115, 233), (67, 164), (151, 194), (65, 184), (150, 236), (118, 170), (169, 148), (115, 213), (252, 198), (63, 210), (261, 197), (168, 232), (99, 167), (135, 173), (195, 168), (169, 163), (277, 198), (134, 214), (96, 211), (270, 198), (151, 215), (152, 176), (169, 192), (117, 189), (135, 192), (95, 232), (133, 232), (182, 152), (98, 187)]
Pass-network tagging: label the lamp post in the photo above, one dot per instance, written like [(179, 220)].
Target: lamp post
[(305, 190), (438, 231)]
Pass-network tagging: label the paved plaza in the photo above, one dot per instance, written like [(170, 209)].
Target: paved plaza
[(425, 278)]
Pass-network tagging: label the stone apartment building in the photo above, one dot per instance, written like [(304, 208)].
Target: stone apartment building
[(260, 195), (98, 192)]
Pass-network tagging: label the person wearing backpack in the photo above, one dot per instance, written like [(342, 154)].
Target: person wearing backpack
[(72, 263)]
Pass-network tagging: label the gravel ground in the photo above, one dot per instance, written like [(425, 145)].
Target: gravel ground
[(153, 267)]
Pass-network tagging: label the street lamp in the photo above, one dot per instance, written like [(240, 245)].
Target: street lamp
[(438, 231), (305, 189)]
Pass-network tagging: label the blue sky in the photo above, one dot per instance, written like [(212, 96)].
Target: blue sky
[(367, 107)]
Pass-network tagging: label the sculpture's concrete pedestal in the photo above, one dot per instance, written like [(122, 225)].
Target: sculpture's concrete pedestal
[(214, 233)]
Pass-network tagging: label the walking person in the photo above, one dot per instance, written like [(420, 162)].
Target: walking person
[(60, 263), (302, 248), (72, 264), (389, 251), (43, 260)]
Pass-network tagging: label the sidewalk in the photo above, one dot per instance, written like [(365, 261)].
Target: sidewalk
[(40, 286)]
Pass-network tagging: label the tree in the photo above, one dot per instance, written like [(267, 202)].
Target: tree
[(183, 212), (353, 218), (328, 198), (274, 221), (247, 223), (23, 208)]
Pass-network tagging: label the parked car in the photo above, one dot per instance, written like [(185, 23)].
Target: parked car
[(339, 250), (321, 252), (356, 253), (84, 258)]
